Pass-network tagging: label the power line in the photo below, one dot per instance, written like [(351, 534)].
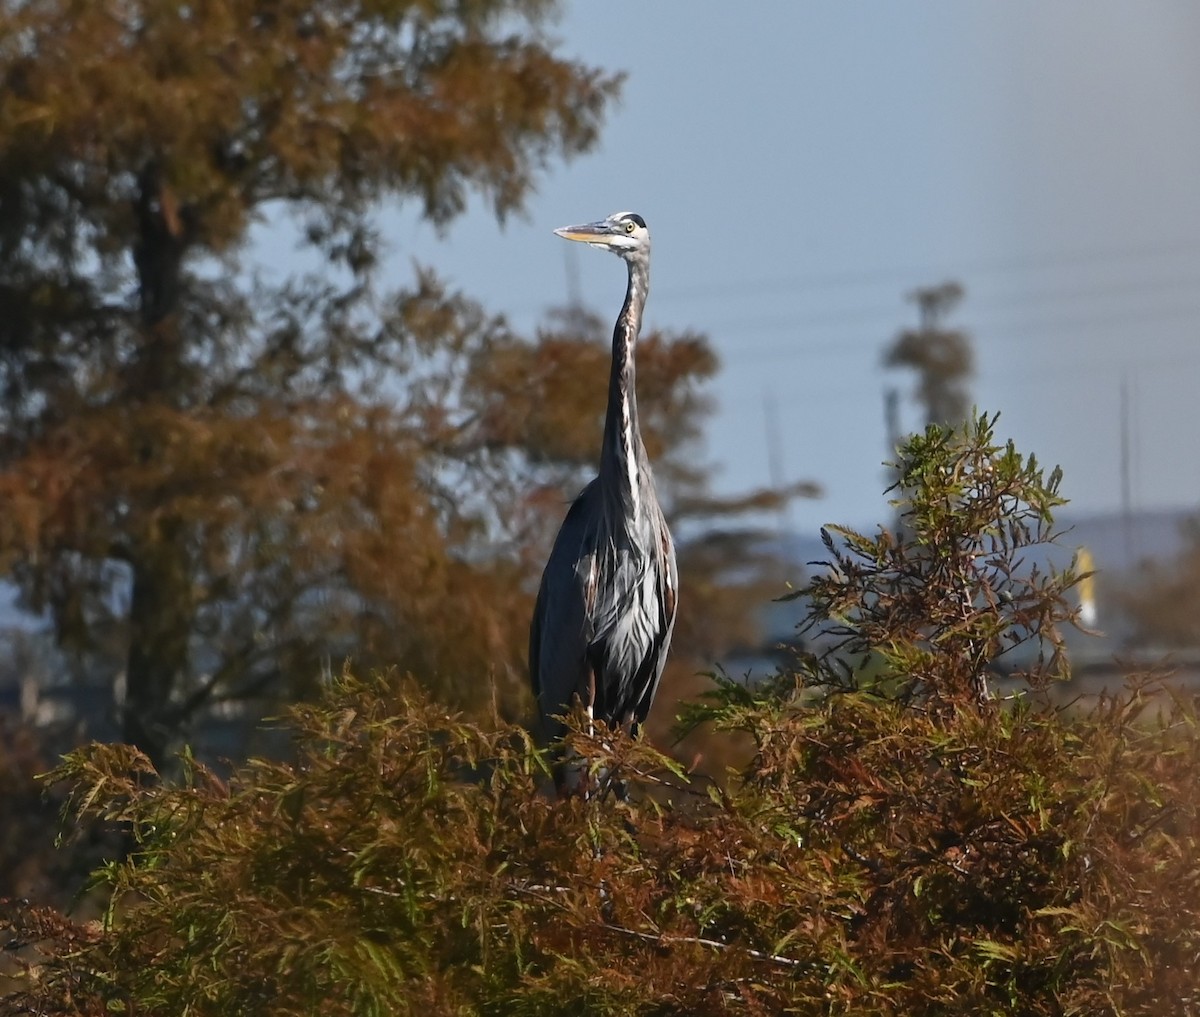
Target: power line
[(1008, 335), (900, 276), (983, 266), (791, 322), (1054, 371)]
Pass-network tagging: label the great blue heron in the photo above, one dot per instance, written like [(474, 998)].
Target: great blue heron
[(606, 606)]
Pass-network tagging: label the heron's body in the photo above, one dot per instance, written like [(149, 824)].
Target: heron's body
[(604, 614), (606, 607)]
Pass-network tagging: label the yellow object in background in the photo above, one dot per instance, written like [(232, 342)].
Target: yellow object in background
[(1085, 563)]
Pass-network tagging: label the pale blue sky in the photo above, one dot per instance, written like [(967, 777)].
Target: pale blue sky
[(802, 166)]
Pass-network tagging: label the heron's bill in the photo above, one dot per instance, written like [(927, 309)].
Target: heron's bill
[(592, 233)]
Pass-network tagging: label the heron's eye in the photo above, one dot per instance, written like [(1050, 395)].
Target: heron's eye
[(629, 226)]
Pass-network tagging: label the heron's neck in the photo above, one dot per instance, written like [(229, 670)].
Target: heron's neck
[(622, 457)]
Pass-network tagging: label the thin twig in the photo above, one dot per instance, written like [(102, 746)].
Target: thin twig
[(667, 939)]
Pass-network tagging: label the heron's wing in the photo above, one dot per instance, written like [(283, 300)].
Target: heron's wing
[(560, 632), (634, 619), (668, 603)]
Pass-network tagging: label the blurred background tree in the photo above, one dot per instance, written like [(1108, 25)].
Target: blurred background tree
[(1161, 600), (217, 474), (943, 361), (940, 356)]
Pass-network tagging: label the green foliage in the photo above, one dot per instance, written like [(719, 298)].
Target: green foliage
[(927, 612), (875, 857)]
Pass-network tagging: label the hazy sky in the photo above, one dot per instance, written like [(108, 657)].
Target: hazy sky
[(803, 166)]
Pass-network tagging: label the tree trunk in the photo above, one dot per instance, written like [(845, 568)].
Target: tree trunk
[(160, 624), (161, 609)]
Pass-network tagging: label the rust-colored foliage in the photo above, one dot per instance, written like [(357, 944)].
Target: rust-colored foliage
[(34, 935), (876, 857), (30, 867), (874, 860), (204, 463), (214, 477), (217, 476)]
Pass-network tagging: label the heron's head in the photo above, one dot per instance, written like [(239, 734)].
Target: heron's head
[(623, 233)]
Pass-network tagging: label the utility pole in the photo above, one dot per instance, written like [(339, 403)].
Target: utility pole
[(1126, 472), (775, 470)]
